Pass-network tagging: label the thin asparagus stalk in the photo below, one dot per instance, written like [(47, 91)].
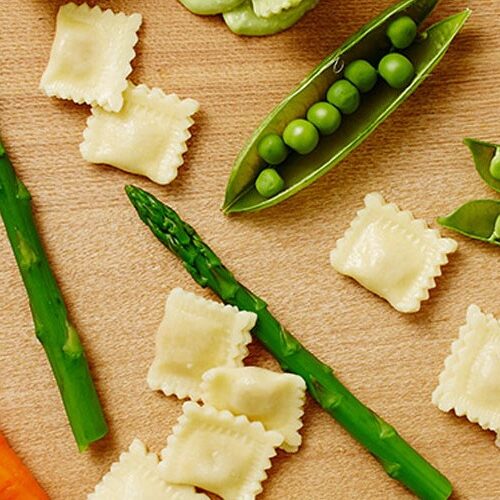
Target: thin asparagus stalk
[(397, 457), (52, 326)]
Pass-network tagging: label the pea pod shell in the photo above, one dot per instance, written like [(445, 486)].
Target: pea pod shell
[(243, 20), (479, 219), (369, 43), (210, 7), (483, 153)]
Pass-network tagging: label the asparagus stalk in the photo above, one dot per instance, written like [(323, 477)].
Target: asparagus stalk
[(397, 457), (52, 326)]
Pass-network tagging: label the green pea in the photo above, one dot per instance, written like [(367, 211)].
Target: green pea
[(495, 166), (396, 70), (344, 96), (361, 74), (272, 149), (301, 135), (325, 117), (402, 32), (269, 183)]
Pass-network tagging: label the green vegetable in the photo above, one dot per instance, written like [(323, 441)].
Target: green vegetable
[(52, 326), (325, 117), (243, 21), (361, 74), (396, 456), (486, 160), (397, 70), (272, 149), (210, 7), (478, 219), (402, 32), (344, 96), (371, 44), (269, 182), (301, 136)]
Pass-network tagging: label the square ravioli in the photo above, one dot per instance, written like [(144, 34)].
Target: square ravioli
[(136, 477), (196, 335), (219, 452), (91, 54), (392, 254), (275, 399), (147, 137), (470, 381)]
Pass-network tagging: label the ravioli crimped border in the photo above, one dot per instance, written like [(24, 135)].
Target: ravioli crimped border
[(433, 246), (125, 45), (445, 396), (236, 426)]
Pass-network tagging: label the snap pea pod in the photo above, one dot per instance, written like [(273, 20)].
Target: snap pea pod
[(484, 154), (210, 7), (478, 219), (396, 456), (371, 44), (244, 21)]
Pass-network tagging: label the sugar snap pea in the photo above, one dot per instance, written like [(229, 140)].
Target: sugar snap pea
[(485, 155), (479, 219), (210, 7), (371, 44), (244, 21)]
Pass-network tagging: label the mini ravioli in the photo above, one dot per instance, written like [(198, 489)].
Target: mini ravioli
[(268, 8), (392, 254), (275, 399), (91, 54), (137, 477), (147, 137), (470, 381), (219, 452), (196, 335)]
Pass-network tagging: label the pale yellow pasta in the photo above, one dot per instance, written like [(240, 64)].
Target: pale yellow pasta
[(268, 8), (196, 335), (136, 477), (275, 399), (147, 137), (91, 54), (392, 254), (470, 381), (219, 452)]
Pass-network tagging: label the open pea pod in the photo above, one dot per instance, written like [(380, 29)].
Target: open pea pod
[(479, 219), (369, 43), (483, 154)]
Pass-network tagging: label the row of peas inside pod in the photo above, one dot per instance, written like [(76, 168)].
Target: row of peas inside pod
[(343, 98)]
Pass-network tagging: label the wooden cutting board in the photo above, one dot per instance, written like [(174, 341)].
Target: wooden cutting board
[(115, 275)]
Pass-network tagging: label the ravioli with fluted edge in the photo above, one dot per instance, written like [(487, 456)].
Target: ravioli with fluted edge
[(136, 476), (219, 452), (194, 336), (470, 381), (90, 56), (147, 137), (392, 254), (275, 399)]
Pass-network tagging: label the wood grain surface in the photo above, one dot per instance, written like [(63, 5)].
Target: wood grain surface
[(115, 275)]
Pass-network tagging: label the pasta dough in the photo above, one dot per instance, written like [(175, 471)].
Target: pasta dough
[(147, 137), (392, 254), (275, 399), (268, 8), (195, 335), (91, 54), (136, 477), (470, 382), (219, 452)]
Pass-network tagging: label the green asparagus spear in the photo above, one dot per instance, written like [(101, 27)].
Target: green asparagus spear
[(53, 329), (397, 457)]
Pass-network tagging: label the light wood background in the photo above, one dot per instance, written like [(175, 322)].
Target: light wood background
[(115, 275)]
